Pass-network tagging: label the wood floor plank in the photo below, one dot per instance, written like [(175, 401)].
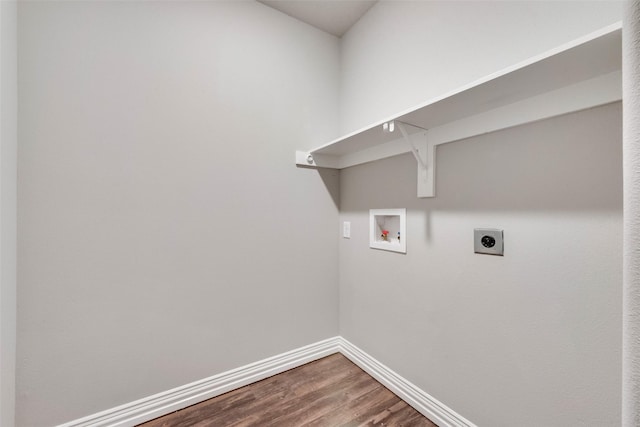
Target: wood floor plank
[(313, 388), (330, 392), (355, 411), (232, 407), (324, 397), (321, 402), (399, 414)]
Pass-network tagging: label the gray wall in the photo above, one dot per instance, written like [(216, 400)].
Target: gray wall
[(165, 234), (8, 149), (403, 53), (529, 339), (631, 226)]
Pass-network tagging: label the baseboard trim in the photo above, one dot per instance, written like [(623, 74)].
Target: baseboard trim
[(424, 403), (139, 411), (131, 414)]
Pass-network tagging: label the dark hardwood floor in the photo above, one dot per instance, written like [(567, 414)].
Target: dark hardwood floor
[(329, 392)]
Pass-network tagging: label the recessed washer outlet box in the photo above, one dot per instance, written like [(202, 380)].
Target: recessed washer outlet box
[(388, 229), (488, 241)]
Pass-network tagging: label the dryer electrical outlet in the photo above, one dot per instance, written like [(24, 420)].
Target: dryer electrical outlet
[(488, 241)]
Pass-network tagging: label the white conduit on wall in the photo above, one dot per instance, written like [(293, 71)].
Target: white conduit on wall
[(631, 251)]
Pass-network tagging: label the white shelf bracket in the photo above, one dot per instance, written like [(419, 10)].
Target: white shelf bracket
[(424, 153), (421, 163)]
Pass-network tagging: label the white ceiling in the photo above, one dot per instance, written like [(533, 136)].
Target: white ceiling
[(333, 16)]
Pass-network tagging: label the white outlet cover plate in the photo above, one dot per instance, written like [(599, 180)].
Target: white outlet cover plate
[(346, 229)]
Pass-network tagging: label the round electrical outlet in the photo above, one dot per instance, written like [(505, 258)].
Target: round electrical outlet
[(488, 241)]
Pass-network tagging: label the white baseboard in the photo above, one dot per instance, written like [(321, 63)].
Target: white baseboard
[(131, 414), (424, 403)]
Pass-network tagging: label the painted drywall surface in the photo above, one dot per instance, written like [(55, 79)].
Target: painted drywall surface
[(528, 339), (165, 234), (8, 149), (403, 53), (631, 271)]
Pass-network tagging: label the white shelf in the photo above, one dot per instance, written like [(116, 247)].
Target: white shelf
[(582, 74)]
